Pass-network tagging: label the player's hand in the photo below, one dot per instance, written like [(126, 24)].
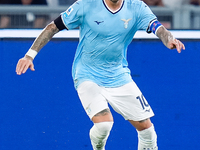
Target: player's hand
[(176, 44), (23, 65)]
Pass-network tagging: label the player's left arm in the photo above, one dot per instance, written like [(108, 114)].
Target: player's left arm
[(168, 39)]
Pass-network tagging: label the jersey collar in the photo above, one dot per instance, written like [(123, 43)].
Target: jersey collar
[(113, 12)]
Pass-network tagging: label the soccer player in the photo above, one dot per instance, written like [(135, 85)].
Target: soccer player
[(100, 69)]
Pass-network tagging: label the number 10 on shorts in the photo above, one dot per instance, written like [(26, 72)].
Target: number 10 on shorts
[(143, 102)]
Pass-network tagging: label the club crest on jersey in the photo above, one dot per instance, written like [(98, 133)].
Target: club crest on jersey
[(126, 22), (69, 10)]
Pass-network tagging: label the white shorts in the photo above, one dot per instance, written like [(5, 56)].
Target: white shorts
[(127, 100)]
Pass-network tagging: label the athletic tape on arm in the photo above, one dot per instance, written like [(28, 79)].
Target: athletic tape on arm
[(31, 53)]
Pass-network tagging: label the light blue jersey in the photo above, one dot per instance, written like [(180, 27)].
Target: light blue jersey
[(104, 38)]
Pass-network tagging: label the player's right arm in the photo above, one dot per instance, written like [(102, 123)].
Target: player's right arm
[(45, 36), (69, 19)]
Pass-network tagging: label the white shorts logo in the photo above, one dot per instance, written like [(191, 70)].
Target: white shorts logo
[(88, 110)]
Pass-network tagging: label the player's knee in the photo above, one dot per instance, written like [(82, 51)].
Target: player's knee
[(141, 125), (101, 129), (145, 124), (104, 127)]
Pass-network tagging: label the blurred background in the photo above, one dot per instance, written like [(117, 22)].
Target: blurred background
[(40, 110), (174, 14)]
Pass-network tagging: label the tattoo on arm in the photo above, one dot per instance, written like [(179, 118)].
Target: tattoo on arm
[(49, 31), (103, 112), (164, 35)]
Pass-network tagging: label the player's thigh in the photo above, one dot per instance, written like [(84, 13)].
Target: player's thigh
[(94, 103), (129, 102)]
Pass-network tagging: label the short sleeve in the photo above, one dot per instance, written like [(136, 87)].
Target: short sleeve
[(145, 17), (72, 17)]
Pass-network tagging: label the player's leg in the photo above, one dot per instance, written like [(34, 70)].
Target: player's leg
[(132, 105), (103, 122), (97, 109), (147, 137)]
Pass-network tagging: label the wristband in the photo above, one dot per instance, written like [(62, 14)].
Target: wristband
[(31, 53)]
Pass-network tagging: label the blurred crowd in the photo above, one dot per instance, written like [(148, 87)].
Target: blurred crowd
[(171, 3), (31, 20)]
